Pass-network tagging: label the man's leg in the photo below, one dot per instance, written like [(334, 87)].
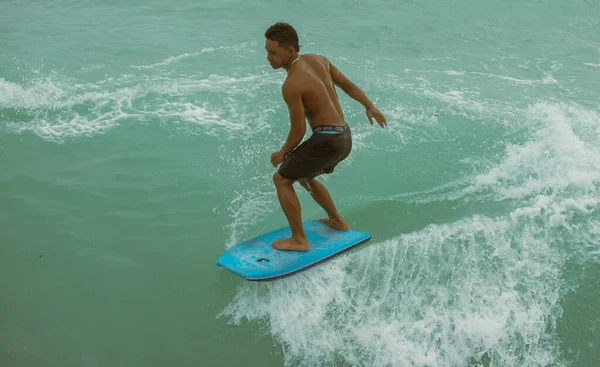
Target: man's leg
[(291, 208), (322, 197)]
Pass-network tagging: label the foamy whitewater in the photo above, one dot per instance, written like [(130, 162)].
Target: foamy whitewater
[(134, 149)]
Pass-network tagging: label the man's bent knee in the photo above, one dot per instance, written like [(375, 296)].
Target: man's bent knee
[(280, 180)]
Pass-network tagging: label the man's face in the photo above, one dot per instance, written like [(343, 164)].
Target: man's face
[(275, 54)]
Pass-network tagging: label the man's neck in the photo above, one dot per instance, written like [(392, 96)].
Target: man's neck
[(295, 58)]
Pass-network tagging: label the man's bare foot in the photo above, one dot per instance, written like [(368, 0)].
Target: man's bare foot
[(291, 244), (339, 225)]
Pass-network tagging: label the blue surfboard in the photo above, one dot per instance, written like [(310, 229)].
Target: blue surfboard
[(256, 260)]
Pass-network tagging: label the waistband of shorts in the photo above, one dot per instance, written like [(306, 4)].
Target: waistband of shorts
[(331, 128)]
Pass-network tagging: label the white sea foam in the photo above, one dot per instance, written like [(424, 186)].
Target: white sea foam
[(76, 126), (172, 59), (464, 102), (562, 152), (57, 108), (555, 158), (482, 288), (455, 72), (546, 79), (442, 296), (247, 209), (43, 92), (209, 121)]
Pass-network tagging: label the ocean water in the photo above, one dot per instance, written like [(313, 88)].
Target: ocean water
[(135, 140)]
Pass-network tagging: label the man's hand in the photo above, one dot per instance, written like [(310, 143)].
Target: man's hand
[(374, 113), (277, 158)]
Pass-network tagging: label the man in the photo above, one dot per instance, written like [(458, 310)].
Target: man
[(309, 91)]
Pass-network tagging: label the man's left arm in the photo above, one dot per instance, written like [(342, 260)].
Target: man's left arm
[(293, 97)]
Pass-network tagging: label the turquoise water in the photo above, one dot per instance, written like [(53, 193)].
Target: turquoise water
[(135, 140)]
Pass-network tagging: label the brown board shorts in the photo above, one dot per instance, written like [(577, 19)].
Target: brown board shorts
[(327, 146)]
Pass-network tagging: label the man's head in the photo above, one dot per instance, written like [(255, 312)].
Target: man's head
[(281, 44)]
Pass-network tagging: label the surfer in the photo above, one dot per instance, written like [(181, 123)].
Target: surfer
[(309, 92)]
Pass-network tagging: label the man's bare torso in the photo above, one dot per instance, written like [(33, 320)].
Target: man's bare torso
[(311, 75)]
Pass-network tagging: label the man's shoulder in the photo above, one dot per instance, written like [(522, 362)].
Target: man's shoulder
[(300, 79), (317, 57), (292, 82)]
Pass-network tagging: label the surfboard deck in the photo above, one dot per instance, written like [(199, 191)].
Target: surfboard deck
[(256, 260)]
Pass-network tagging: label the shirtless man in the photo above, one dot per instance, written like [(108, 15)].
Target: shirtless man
[(309, 91)]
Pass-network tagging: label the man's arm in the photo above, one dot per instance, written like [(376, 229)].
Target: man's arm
[(293, 98), (357, 94), (348, 87)]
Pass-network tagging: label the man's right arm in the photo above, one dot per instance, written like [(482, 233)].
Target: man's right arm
[(357, 94)]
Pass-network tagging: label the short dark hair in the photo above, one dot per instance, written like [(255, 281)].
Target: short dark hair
[(283, 33)]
